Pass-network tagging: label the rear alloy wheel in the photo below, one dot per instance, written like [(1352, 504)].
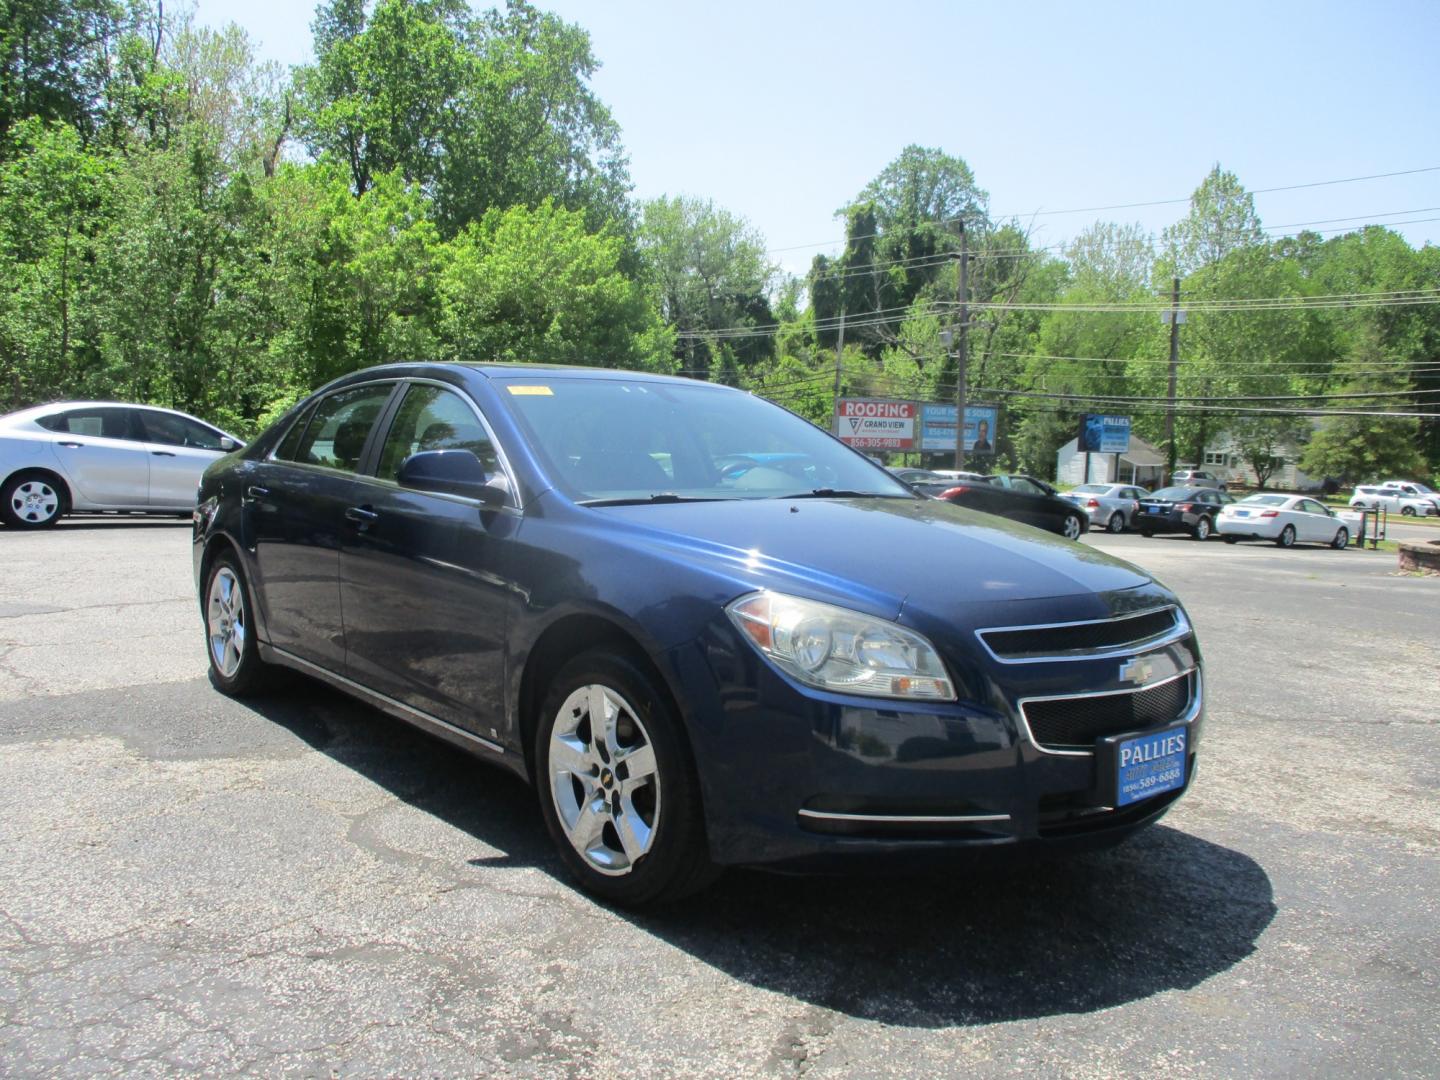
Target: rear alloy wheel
[(1116, 524), (616, 784), (1071, 528), (1286, 537), (31, 501), (1342, 539), (1202, 529), (235, 664)]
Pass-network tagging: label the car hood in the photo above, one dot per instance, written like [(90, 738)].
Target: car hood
[(926, 558)]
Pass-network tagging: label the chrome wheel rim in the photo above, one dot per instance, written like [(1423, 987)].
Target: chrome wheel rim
[(35, 502), (1072, 528), (1342, 539), (225, 619), (1117, 523), (1202, 529), (1287, 536), (604, 779)]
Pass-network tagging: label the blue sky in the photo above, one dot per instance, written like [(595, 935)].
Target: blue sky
[(782, 111)]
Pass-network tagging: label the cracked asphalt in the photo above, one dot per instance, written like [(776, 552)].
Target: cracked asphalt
[(302, 886)]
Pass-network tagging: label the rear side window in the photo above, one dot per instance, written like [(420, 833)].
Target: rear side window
[(286, 450), (336, 434), (106, 422)]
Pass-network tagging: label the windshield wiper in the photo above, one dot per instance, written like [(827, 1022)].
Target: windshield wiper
[(843, 493), (659, 497)]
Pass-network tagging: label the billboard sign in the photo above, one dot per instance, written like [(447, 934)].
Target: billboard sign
[(868, 424), (1103, 434), (937, 428)]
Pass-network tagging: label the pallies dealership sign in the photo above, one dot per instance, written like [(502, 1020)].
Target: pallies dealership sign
[(868, 424)]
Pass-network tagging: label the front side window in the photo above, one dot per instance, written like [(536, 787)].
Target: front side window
[(335, 437), (433, 418), (170, 430), (1029, 487)]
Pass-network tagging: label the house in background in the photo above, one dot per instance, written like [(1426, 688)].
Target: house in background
[(1141, 465), (1223, 458)]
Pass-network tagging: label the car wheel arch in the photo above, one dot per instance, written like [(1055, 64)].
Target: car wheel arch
[(568, 637)]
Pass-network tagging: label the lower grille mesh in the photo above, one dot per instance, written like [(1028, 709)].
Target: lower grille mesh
[(1075, 723)]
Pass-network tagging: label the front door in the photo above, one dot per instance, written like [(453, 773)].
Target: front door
[(422, 576)]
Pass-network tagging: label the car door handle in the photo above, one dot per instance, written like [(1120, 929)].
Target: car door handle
[(71, 445), (162, 453), (255, 491), (361, 516)]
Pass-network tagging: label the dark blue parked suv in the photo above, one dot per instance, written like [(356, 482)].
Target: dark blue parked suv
[(704, 629)]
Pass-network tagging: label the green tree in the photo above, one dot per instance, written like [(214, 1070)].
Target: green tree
[(1222, 219), (710, 275), (536, 286)]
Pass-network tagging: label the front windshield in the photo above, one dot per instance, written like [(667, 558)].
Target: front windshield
[(1266, 500), (613, 440)]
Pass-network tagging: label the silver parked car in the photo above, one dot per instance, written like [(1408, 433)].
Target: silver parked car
[(1393, 500), (1111, 507), (1415, 488), (102, 455)]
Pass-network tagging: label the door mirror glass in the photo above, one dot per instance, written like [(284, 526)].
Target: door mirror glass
[(448, 472), (227, 444)]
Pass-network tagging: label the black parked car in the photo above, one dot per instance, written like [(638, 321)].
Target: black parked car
[(1181, 509), (705, 630), (1020, 498)]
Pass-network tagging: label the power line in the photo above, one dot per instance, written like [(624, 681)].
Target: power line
[(1132, 206)]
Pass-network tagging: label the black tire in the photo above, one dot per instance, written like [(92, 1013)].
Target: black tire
[(1342, 539), (1287, 537), (1405, 511), (1147, 533), (676, 861), (1231, 539), (249, 674), (1116, 524), (1202, 529), (33, 500)]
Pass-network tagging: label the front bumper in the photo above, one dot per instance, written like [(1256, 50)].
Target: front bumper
[(806, 780)]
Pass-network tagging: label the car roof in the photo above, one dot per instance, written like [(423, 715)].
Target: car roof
[(59, 406)]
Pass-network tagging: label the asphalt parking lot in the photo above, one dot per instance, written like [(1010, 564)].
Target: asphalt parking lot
[(301, 885)]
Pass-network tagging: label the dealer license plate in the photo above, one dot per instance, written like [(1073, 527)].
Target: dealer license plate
[(1150, 765)]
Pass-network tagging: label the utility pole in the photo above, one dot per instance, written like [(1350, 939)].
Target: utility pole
[(1175, 316), (962, 355), (839, 352)]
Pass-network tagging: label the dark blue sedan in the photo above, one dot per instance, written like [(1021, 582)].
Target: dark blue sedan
[(704, 629)]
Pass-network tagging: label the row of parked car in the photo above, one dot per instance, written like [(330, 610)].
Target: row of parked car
[(1191, 506)]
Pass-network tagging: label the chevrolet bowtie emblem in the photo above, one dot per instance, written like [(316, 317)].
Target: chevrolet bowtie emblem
[(1137, 670)]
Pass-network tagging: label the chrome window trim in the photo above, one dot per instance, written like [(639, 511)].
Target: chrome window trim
[(1188, 717), (405, 712), (939, 819), (1181, 629)]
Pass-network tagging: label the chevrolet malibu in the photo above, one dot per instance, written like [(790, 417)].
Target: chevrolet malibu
[(706, 631)]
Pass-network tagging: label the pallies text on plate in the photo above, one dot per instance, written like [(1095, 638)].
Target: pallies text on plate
[(1138, 755)]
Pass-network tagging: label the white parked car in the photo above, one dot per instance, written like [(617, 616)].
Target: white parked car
[(102, 455), (1376, 497), (1419, 490), (1111, 507), (1287, 520)]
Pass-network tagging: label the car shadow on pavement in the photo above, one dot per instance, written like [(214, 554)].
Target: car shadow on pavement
[(1004, 939)]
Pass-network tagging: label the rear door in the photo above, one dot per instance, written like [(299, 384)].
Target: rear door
[(180, 450), (295, 505), (424, 578), (99, 450)]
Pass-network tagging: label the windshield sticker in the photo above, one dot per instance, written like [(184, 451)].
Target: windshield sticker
[(530, 391)]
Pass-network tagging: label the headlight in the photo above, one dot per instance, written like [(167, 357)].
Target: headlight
[(834, 649)]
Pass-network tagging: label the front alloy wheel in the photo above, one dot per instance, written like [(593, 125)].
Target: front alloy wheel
[(235, 663), (604, 779), (617, 785), (1342, 539)]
